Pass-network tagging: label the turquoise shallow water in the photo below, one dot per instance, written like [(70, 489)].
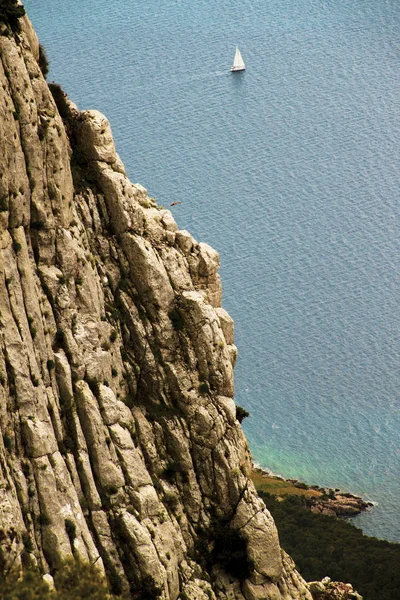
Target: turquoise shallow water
[(291, 170)]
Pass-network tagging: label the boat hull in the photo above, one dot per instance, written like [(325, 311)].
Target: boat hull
[(236, 69)]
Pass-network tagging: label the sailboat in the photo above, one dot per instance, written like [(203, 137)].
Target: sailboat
[(238, 64)]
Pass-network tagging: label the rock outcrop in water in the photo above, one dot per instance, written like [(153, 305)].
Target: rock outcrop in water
[(120, 444)]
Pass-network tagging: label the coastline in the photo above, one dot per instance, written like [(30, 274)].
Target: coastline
[(317, 499)]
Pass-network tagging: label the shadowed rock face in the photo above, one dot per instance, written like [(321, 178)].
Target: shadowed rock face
[(116, 369)]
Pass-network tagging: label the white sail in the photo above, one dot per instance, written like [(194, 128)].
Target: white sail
[(238, 64)]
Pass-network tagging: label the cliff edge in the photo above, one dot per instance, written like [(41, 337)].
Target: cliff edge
[(120, 443)]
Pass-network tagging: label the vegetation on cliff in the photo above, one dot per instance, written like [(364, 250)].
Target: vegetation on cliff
[(323, 545), (10, 13), (74, 581)]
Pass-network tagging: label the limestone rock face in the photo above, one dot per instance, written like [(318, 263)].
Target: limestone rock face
[(116, 369)]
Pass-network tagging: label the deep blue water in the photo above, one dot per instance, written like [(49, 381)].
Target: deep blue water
[(291, 170)]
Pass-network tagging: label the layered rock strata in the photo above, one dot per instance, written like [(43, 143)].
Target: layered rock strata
[(120, 443)]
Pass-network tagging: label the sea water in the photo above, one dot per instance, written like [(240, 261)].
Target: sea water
[(291, 170)]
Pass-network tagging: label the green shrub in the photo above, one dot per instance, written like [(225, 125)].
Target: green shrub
[(8, 442), (44, 519), (61, 100), (241, 413), (60, 337), (171, 501), (301, 485), (26, 467), (10, 13), (37, 225), (113, 336), (176, 319), (43, 61), (70, 528), (77, 580), (4, 203), (27, 542), (204, 388), (30, 587), (50, 364), (112, 489), (16, 245)]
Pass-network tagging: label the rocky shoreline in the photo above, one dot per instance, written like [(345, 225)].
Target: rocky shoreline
[(326, 501)]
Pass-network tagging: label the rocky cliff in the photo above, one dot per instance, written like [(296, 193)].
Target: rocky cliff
[(120, 443)]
